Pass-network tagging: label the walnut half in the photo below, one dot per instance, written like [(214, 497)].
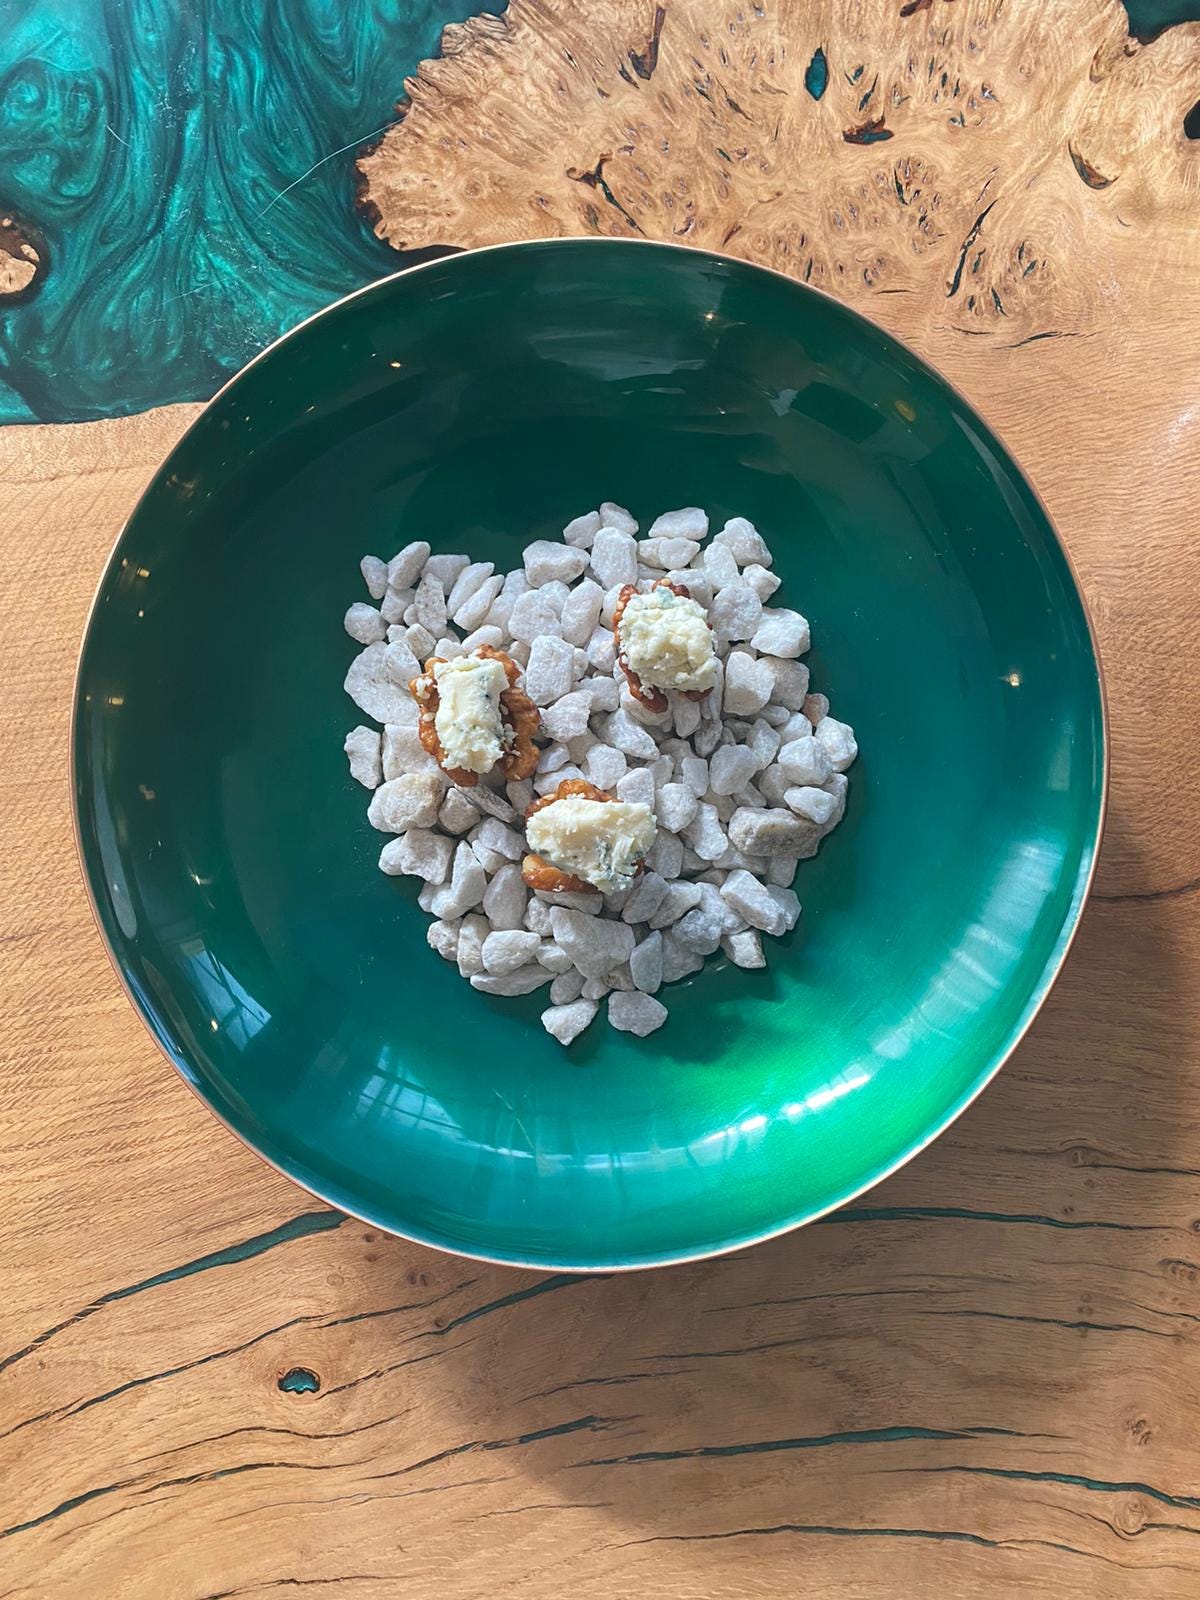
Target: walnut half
[(520, 716), (652, 698)]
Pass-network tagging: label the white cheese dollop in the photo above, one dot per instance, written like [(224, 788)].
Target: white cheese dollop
[(468, 722), (667, 641), (600, 841)]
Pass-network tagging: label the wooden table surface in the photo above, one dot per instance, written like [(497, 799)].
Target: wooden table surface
[(982, 1378)]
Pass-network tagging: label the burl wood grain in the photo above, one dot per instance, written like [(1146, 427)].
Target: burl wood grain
[(982, 1379)]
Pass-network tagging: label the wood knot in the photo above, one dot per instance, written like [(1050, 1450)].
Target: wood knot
[(24, 257), (299, 1380), (1129, 1518)]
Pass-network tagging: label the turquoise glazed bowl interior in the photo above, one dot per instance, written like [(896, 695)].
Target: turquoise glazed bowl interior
[(480, 402)]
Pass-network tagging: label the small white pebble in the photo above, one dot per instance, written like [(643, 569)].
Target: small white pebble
[(805, 761), (605, 767), (374, 573), (745, 542), (815, 804), (523, 981), (553, 757), (368, 685), (364, 623), (481, 636), (646, 964), (506, 897), (780, 870), (446, 569), (533, 616), (693, 771), (665, 554), (580, 531), (400, 664), (567, 986), (637, 787), (568, 717), (498, 836), (771, 832), (363, 747), (537, 917), (707, 737), (614, 557), (644, 899), (755, 902), (404, 567), (675, 806), (838, 741), (678, 899), (467, 883), (782, 633), (443, 937), (705, 834), (763, 583), (468, 582), (614, 516), (547, 561), (636, 1013), (474, 612), (457, 814), (429, 607), (506, 951), (677, 961), (744, 949), (553, 957), (419, 640), (690, 522), (473, 930), (748, 684), (735, 613), (410, 801), (602, 649), (763, 743), (420, 853), (581, 612), (594, 944), (566, 1022), (665, 855), (490, 803), (686, 715), (731, 768), (625, 735)]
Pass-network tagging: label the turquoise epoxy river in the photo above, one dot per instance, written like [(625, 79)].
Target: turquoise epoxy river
[(175, 155)]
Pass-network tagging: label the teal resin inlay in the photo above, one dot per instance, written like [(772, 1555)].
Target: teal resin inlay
[(189, 166), (185, 171)]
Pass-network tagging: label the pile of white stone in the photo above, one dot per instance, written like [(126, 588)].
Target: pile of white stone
[(743, 785)]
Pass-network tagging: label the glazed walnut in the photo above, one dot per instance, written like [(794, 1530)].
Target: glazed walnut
[(521, 718), (654, 699), (538, 873)]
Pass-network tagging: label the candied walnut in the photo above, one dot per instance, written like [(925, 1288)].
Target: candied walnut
[(520, 716), (578, 787), (652, 698), (539, 873)]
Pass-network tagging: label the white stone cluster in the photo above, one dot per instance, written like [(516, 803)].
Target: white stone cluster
[(743, 784)]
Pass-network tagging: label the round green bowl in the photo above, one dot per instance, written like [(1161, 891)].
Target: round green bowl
[(480, 402)]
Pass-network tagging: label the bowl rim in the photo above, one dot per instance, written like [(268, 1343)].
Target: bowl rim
[(1064, 942)]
